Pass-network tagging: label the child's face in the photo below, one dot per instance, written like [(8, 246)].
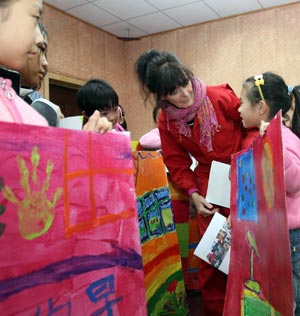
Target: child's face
[(18, 30), (112, 114), (36, 67), (249, 112)]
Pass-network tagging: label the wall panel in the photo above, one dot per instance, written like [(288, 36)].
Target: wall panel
[(227, 50)]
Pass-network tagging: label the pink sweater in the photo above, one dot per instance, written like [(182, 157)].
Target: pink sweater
[(13, 109), (291, 156)]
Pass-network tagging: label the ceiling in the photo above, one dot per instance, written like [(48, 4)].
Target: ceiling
[(137, 18)]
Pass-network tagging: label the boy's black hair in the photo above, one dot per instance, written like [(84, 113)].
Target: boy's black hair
[(96, 94)]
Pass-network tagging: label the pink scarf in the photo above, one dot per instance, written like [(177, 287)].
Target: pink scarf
[(204, 110)]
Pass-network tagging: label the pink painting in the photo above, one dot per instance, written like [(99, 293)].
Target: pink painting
[(259, 281), (69, 239)]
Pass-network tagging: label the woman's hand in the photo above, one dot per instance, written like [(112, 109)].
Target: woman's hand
[(98, 124), (263, 127), (203, 207)]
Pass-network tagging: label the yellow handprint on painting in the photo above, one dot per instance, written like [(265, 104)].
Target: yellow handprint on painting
[(35, 211)]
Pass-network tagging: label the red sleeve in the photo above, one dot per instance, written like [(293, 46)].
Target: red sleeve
[(226, 100), (177, 159)]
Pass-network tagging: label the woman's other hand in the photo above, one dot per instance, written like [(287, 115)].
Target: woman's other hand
[(203, 207)]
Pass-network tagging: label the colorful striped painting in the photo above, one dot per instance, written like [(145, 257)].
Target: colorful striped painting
[(165, 290), (188, 235)]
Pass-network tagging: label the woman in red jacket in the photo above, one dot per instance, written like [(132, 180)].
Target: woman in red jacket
[(196, 120)]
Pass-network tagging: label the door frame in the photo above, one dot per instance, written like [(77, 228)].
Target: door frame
[(62, 81)]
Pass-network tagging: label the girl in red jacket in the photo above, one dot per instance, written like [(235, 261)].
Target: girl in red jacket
[(200, 121)]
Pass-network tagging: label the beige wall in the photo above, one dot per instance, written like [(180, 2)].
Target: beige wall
[(228, 50), (80, 51)]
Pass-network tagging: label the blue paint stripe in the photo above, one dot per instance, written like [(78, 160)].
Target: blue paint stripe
[(70, 267)]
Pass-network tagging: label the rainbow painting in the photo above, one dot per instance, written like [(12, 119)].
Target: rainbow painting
[(165, 290)]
